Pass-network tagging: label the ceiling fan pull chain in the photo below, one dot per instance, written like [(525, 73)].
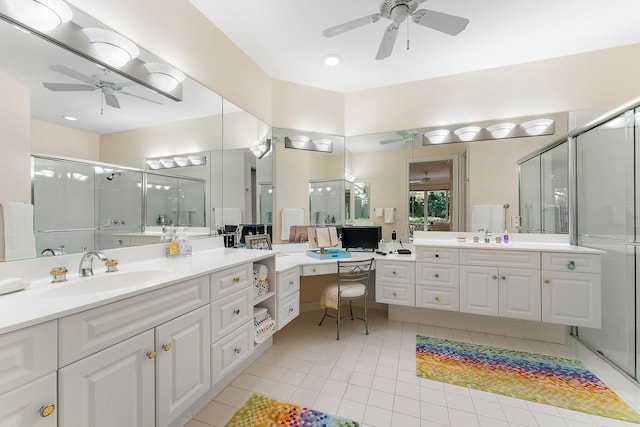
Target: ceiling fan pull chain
[(408, 23)]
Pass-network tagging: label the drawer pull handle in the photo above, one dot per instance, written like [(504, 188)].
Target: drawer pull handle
[(394, 294), (291, 309), (547, 281), (237, 350), (437, 256), (436, 275), (47, 410), (571, 265), (314, 269), (236, 311), (151, 354), (495, 277), (394, 273), (503, 278), (291, 283), (167, 346), (437, 298)]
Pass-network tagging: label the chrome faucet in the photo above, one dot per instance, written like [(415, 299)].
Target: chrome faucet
[(487, 235), (86, 262), (53, 251)]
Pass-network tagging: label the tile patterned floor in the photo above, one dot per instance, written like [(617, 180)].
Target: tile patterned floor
[(371, 379)]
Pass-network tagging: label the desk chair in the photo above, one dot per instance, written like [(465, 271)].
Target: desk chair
[(353, 283)]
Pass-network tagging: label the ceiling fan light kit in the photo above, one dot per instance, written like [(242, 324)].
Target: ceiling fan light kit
[(397, 12)]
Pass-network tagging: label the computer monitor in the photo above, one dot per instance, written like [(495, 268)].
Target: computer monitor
[(250, 229), (228, 229), (363, 238)]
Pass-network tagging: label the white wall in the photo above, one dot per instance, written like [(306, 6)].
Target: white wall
[(60, 141)]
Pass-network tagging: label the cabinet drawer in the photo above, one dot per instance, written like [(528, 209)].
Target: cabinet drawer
[(490, 257), (435, 297), (230, 312), (85, 333), (21, 407), (439, 255), (397, 272), (288, 283), (288, 309), (571, 262), (27, 354), (437, 275), (229, 352), (233, 279), (317, 269), (395, 293)]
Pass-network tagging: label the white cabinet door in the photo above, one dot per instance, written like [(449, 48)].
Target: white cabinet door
[(183, 366), (479, 290), (441, 298), (395, 293), (114, 387), (32, 405), (231, 312), (571, 299), (395, 271), (519, 293)]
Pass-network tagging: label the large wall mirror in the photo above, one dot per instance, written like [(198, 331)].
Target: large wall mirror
[(86, 111), (417, 185)]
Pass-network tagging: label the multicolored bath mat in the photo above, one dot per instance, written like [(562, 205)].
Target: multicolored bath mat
[(262, 411), (551, 380)]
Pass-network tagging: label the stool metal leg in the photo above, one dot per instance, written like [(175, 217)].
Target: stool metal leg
[(338, 321), (366, 322), (323, 316)]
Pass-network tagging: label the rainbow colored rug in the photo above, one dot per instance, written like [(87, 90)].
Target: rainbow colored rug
[(551, 380), (262, 411)]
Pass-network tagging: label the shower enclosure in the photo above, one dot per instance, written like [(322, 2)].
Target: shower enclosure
[(80, 206), (605, 155)]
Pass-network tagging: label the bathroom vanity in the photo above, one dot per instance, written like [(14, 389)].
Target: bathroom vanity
[(535, 278), (142, 346)]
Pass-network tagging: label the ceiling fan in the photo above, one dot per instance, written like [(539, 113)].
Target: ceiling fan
[(398, 11), (422, 180), (405, 136), (106, 83)]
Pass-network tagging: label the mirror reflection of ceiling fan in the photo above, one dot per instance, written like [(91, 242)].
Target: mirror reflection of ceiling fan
[(106, 83), (422, 180), (397, 11), (405, 136)]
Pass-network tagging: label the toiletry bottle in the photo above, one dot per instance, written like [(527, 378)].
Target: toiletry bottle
[(505, 238)]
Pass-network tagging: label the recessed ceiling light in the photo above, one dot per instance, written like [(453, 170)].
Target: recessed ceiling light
[(70, 118), (332, 60)]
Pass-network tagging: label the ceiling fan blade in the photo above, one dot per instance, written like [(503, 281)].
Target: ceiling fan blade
[(391, 141), (58, 87), (141, 97), (356, 23), (448, 24), (111, 100), (69, 72), (388, 41)]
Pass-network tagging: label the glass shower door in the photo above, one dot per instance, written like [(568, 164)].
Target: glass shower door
[(607, 220)]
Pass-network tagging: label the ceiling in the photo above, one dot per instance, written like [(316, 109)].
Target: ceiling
[(284, 37)]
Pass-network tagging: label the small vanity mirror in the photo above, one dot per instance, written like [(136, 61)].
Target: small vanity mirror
[(361, 208)]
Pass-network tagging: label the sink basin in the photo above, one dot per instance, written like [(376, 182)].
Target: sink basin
[(105, 283)]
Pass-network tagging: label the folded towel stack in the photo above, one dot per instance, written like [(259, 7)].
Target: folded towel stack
[(263, 324), (260, 279)]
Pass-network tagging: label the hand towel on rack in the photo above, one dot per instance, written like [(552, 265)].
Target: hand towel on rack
[(227, 216), (388, 215), (379, 211), (481, 217), (290, 216), (497, 219), (18, 239)]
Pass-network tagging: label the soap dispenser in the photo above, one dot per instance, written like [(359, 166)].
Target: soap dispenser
[(505, 238)]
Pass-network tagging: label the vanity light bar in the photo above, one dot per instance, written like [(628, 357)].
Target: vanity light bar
[(303, 142), (175, 162), (536, 127), (53, 20)]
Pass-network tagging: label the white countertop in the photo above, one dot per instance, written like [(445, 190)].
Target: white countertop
[(43, 301), (288, 260)]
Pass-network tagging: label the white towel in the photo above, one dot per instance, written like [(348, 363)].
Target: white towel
[(488, 217), (17, 231), (227, 216), (388, 215), (290, 216), (497, 219), (379, 211)]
